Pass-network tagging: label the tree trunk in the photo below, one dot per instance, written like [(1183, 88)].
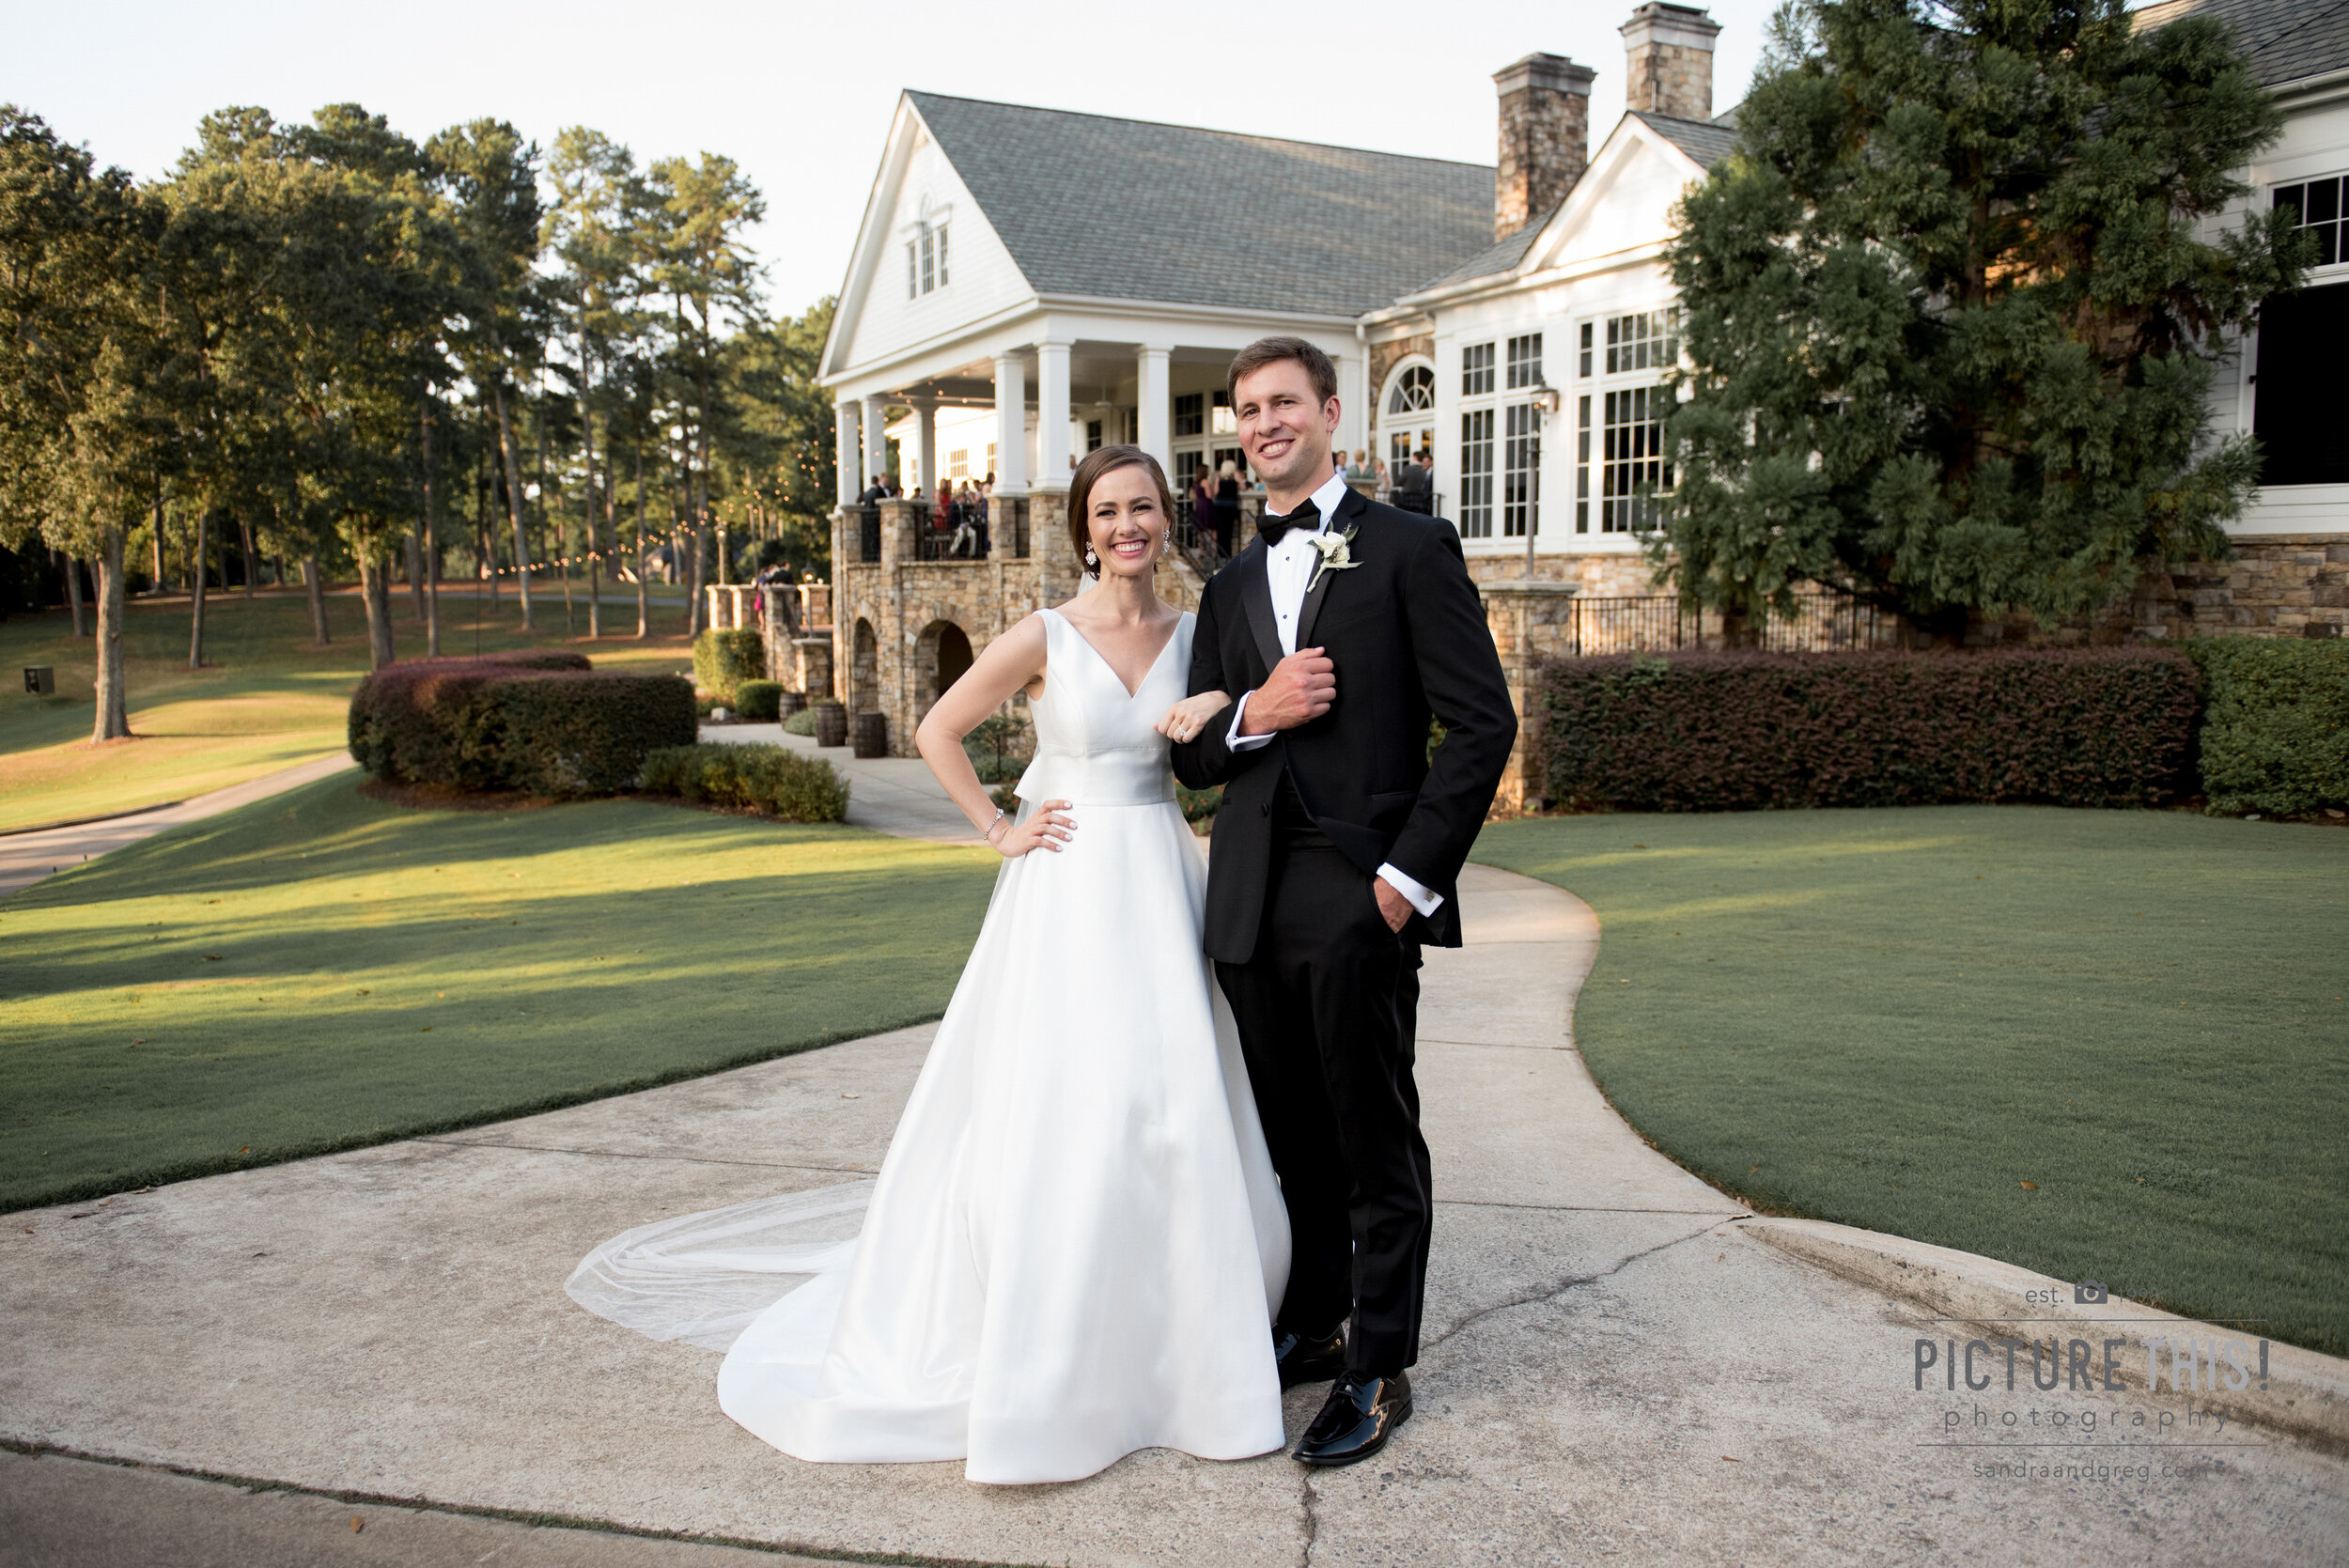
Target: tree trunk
[(587, 487), (375, 588), (431, 544), (114, 721), (554, 532), (489, 564), (643, 599), (595, 545), (252, 560), (311, 574), (514, 500), (159, 535), (197, 571), (74, 590)]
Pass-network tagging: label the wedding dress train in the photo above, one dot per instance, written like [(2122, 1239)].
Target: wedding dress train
[(1075, 1242)]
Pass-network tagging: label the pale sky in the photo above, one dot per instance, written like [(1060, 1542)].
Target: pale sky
[(801, 94)]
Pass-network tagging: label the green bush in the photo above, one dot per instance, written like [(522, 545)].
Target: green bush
[(758, 701), (998, 748), (431, 721), (771, 779), (587, 733), (1199, 804), (801, 723), (557, 729), (724, 660), (1740, 731), (2274, 725)]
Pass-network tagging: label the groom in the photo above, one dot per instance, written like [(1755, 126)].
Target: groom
[(1349, 625)]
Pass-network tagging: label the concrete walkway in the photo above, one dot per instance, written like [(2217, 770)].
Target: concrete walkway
[(1619, 1363), (890, 794), (27, 857)]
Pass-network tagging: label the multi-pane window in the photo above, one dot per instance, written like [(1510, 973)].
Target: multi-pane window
[(1520, 469), (991, 459), (1476, 472), (925, 262), (1582, 449), (1191, 414), (1414, 391), (1586, 350), (1476, 369), (958, 463), (1222, 421), (1525, 360), (2317, 204), (1647, 341), (1093, 435), (1632, 469)]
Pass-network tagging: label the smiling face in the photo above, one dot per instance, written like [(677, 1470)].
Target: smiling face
[(1127, 522), (1284, 427)]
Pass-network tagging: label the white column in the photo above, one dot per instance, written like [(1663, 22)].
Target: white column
[(875, 441), (847, 448), (1051, 416), (926, 420), (1011, 424), (1157, 410)]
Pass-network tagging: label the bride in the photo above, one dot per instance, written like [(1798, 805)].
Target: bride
[(1076, 1243)]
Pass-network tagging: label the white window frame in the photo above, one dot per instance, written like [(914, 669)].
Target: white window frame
[(1620, 359)]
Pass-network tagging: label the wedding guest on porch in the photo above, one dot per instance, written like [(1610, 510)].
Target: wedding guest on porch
[(1226, 505), (1202, 510)]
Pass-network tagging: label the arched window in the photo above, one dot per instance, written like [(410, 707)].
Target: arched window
[(1414, 391)]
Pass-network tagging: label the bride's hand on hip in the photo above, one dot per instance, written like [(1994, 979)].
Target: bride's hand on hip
[(1051, 828), (1186, 719)]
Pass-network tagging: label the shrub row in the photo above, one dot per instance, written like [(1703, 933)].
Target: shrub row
[(773, 779), (546, 724), (2274, 725), (1738, 731), (724, 660)]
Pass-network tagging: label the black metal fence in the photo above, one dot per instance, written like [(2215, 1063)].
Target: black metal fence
[(869, 534), (1654, 623)]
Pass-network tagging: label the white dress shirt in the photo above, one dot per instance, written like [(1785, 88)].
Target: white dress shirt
[(1289, 566)]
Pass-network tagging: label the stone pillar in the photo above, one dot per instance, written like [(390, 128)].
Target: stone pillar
[(1545, 137), (1011, 424), (1058, 563), (899, 523), (1530, 622), (849, 447), (1669, 56), (876, 441), (926, 420), (1156, 404), (1051, 416)]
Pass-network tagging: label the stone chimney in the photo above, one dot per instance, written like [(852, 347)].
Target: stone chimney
[(1545, 137), (1670, 60)]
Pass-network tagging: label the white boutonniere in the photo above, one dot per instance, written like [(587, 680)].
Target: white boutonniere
[(1337, 555)]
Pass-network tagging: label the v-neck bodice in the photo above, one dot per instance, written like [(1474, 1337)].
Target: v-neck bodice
[(1095, 743)]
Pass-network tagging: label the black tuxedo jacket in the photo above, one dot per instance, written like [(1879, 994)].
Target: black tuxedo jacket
[(1407, 633)]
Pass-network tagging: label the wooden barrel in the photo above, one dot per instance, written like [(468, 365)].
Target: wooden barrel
[(831, 724), (871, 735), (788, 703)]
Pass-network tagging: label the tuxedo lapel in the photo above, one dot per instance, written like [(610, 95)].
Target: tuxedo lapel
[(1348, 509), (1255, 592)]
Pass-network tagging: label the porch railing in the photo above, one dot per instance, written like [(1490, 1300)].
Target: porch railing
[(1823, 622)]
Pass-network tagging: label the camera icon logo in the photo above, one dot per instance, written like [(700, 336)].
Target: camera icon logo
[(2091, 1293)]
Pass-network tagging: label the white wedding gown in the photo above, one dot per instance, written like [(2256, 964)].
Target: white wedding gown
[(1076, 1243)]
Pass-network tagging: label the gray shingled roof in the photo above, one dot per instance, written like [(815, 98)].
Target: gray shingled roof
[(2287, 40), (1134, 211), (1706, 140)]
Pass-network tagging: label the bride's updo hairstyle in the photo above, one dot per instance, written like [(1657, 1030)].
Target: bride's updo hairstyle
[(1107, 459)]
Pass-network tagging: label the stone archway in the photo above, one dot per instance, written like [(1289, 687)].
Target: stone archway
[(864, 668), (941, 655)]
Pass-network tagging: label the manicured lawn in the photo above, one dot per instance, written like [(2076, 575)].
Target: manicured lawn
[(266, 699), (318, 970), (2095, 1044)]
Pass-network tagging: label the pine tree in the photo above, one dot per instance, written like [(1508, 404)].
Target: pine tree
[(1952, 309)]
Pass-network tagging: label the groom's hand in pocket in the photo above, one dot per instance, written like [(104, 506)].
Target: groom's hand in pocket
[(1393, 907), (1300, 689)]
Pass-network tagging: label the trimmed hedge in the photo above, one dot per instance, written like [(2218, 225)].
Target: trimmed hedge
[(546, 724), (771, 779), (801, 723), (1741, 731), (758, 701), (2274, 725), (724, 660)]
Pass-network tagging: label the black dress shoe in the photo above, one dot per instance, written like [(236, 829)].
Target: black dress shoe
[(1308, 1358), (1360, 1415)]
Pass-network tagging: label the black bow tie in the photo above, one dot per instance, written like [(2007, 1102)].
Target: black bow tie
[(1307, 519)]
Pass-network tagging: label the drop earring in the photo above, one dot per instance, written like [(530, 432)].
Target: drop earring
[(1093, 562)]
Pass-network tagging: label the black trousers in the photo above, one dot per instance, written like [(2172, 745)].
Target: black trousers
[(1328, 1007)]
